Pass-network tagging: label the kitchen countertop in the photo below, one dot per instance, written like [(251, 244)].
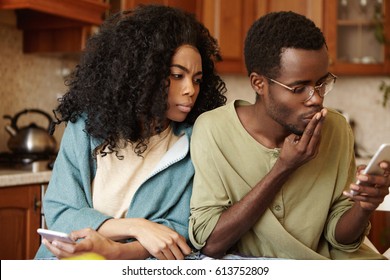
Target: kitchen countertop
[(15, 177)]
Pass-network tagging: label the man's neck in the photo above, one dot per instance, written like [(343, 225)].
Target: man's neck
[(261, 127)]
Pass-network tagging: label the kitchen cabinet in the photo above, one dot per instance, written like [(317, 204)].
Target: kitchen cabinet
[(20, 217), (51, 26), (380, 230), (313, 9), (349, 30), (187, 5), (354, 29), (229, 21), (87, 11), (50, 34), (348, 26)]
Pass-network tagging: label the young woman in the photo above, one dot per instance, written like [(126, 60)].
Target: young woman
[(122, 179)]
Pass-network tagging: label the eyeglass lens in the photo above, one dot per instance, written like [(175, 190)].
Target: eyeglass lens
[(322, 89)]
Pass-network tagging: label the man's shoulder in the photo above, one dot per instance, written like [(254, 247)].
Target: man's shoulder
[(336, 125), (221, 114), (214, 115), (337, 117)]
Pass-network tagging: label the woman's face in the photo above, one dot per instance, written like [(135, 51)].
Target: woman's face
[(185, 79)]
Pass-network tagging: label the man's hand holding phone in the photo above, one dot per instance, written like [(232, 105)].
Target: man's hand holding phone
[(373, 182)]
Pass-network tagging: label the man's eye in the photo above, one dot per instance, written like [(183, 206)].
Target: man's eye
[(324, 84), (299, 90)]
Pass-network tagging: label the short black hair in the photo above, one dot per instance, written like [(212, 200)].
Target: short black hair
[(272, 33)]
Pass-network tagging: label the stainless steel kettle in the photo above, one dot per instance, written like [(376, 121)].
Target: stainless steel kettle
[(30, 139)]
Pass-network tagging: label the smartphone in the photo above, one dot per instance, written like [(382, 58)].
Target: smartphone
[(382, 154), (52, 235)]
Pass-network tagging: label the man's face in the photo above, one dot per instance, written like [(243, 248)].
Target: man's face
[(299, 68)]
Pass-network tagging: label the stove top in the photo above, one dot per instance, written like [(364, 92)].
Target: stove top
[(24, 161)]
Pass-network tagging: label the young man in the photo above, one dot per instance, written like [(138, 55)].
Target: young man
[(272, 179)]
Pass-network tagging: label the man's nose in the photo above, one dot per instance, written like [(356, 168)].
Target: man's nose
[(316, 98)]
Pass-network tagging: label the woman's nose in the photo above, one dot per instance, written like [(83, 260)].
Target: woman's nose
[(189, 88)]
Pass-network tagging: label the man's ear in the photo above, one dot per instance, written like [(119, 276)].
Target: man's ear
[(257, 82)]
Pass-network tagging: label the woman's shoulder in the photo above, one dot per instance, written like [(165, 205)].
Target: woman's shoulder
[(77, 130), (78, 123)]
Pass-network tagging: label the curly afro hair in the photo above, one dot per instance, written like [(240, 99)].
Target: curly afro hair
[(271, 34), (120, 83)]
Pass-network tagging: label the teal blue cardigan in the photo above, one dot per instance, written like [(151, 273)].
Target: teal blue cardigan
[(163, 198)]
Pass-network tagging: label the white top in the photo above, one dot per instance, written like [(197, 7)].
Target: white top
[(116, 180)]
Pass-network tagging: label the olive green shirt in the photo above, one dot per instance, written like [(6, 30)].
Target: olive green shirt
[(300, 222)]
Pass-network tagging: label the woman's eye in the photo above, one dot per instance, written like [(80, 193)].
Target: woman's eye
[(176, 76), (198, 81)]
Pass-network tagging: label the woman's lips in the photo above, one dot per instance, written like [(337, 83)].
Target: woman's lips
[(184, 108)]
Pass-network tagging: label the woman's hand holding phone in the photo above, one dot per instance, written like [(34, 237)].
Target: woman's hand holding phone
[(51, 235)]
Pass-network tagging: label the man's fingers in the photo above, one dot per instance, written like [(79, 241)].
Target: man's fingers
[(313, 130)]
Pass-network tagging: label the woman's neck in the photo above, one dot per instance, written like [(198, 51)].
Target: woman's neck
[(156, 130)]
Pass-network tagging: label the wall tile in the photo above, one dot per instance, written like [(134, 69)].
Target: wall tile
[(27, 81)]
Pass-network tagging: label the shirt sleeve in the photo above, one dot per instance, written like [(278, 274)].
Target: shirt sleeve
[(209, 197), (347, 171)]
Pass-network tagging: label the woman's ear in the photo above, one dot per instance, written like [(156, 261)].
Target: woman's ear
[(257, 82)]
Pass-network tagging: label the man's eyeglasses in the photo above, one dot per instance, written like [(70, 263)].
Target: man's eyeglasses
[(307, 91)]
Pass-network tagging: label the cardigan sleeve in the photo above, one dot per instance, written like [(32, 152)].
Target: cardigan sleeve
[(68, 201), (164, 198), (177, 217)]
